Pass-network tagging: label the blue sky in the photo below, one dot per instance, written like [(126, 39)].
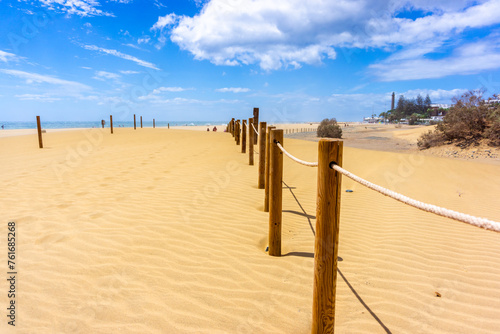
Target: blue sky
[(82, 60)]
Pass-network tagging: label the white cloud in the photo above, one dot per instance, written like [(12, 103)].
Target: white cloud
[(181, 101), (76, 7), (133, 46), (144, 40), (155, 95), (165, 21), (158, 4), (38, 78), (120, 55), (468, 59), (102, 75), (290, 33), (200, 3), (233, 90), (170, 89), (37, 97), (6, 56), (129, 72)]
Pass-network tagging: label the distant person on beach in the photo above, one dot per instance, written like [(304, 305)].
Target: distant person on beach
[(208, 129), (215, 129), (3, 126)]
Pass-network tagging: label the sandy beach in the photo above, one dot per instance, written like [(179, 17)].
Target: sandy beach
[(163, 231)]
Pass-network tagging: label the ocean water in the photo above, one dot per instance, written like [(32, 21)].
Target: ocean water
[(97, 124)]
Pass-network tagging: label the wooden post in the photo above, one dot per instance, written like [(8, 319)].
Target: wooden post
[(134, 122), (39, 127), (102, 123), (154, 125), (232, 126), (251, 134), (244, 137), (262, 155), (141, 122), (266, 185), (168, 125), (275, 192), (111, 123), (255, 122), (238, 132), (235, 130), (327, 236)]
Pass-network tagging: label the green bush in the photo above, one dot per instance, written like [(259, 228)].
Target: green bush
[(329, 128)]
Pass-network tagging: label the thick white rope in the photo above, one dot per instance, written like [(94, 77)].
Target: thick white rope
[(257, 132), (465, 218), (302, 162)]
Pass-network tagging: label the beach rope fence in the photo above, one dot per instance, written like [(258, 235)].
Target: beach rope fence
[(254, 129), (330, 170), (462, 217)]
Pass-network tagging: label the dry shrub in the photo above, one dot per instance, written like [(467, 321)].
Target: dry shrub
[(430, 139), (469, 121), (329, 128), (466, 121), (493, 132)]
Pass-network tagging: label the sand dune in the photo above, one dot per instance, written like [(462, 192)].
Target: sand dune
[(162, 231)]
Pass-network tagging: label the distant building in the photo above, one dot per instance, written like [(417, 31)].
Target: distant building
[(373, 119), (492, 101), (437, 111), (440, 106)]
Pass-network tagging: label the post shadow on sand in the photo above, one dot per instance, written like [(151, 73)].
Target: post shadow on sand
[(311, 255), (302, 208)]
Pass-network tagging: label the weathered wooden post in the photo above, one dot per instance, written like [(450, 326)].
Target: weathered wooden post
[(255, 122), (154, 125), (266, 185), (141, 122), (232, 126), (238, 132), (235, 131), (262, 155), (327, 236), (244, 136), (134, 122), (102, 123), (111, 123), (275, 192), (39, 127), (168, 125), (251, 134)]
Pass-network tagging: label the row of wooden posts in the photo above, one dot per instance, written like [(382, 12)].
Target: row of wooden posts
[(270, 176), (288, 131), (39, 127)]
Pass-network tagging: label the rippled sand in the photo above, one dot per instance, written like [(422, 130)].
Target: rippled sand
[(162, 231)]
